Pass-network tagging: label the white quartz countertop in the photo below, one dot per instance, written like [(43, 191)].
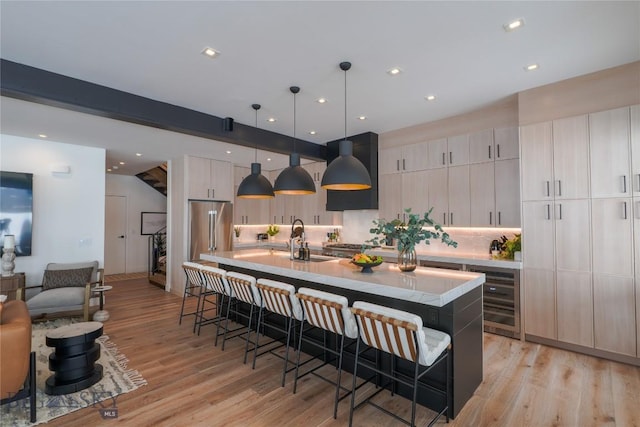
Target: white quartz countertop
[(429, 286)]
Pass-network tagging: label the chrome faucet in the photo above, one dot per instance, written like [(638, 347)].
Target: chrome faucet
[(293, 253)]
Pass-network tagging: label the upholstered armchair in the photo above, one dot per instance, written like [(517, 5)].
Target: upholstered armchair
[(17, 361), (65, 290)]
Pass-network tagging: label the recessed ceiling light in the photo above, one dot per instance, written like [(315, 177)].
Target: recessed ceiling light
[(531, 67), (109, 170), (430, 97), (514, 25), (228, 152), (271, 120), (210, 52), (42, 135), (312, 132), (122, 163), (114, 167), (268, 159), (321, 100), (362, 118), (139, 154), (394, 71)]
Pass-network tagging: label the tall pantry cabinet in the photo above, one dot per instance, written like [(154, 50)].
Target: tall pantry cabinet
[(580, 267)]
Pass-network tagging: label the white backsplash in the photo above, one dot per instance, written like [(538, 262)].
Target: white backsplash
[(356, 225)]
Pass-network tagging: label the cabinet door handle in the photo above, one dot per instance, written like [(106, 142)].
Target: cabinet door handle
[(548, 211), (624, 183), (638, 210), (548, 193), (490, 218), (398, 164), (403, 165), (559, 211), (624, 210), (450, 157), (497, 151), (489, 152), (213, 193), (282, 218), (443, 161), (638, 175), (451, 218), (499, 218)]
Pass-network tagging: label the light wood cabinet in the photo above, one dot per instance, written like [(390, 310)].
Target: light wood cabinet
[(390, 197), (610, 153), (636, 236), (437, 153), (481, 146), (507, 143), (571, 158), (614, 314), (635, 149), (209, 179), (572, 221), (415, 192), (536, 146), (507, 191), (612, 231), (538, 252), (457, 150), (574, 294), (540, 303), (482, 194), (438, 193), (407, 158), (460, 197)]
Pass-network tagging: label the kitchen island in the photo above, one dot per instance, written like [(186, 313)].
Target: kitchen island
[(447, 300)]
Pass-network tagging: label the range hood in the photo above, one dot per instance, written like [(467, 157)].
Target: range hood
[(365, 149)]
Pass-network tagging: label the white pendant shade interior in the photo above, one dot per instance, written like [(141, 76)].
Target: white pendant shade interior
[(346, 172), (294, 180), (255, 185)]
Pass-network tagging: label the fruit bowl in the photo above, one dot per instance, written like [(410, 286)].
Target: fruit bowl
[(366, 262)]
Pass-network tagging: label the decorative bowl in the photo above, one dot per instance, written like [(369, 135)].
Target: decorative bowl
[(366, 266)]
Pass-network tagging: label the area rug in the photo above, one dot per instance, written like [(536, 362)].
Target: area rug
[(117, 379)]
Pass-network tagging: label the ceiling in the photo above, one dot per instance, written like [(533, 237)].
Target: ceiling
[(457, 51)]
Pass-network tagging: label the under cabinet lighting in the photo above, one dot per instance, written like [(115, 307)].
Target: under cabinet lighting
[(514, 25)]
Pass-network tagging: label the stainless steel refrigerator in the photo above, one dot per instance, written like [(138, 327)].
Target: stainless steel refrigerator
[(210, 227)]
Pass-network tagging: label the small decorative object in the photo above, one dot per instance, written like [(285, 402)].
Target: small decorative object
[(366, 261), (272, 230), (408, 235), (511, 247), (8, 255), (237, 230)]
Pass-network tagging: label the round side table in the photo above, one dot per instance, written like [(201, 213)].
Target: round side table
[(102, 314)]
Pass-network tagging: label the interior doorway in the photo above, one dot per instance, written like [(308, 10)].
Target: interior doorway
[(115, 247)]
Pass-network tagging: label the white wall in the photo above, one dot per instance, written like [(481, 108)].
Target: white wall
[(140, 198), (68, 209)]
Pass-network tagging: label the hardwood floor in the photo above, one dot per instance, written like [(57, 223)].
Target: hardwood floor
[(193, 383)]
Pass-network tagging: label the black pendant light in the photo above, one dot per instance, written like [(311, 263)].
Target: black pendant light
[(255, 185), (346, 172), (294, 180)]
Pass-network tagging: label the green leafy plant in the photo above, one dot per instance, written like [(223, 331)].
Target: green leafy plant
[(272, 230), (510, 246), (409, 234)]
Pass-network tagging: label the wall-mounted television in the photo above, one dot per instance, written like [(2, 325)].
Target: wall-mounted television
[(16, 209)]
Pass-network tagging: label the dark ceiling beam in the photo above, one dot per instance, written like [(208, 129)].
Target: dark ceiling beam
[(44, 87)]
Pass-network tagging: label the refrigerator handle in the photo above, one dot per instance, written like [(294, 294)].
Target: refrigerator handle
[(212, 230)]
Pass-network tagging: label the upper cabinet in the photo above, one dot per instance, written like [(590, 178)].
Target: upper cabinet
[(457, 150), (506, 143), (408, 158), (635, 150), (610, 153), (481, 147), (536, 146), (437, 157), (209, 179)]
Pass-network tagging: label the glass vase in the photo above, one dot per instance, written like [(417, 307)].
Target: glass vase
[(407, 259)]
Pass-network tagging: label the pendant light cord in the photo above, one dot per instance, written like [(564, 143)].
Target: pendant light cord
[(294, 122), (345, 105)]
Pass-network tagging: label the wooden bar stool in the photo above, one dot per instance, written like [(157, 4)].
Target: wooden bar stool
[(192, 288), (402, 335), (244, 289), (328, 312), (279, 298)]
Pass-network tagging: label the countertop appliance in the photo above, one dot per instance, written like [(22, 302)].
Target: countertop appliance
[(343, 250), (210, 227)]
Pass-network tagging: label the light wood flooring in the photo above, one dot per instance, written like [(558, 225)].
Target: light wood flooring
[(193, 383)]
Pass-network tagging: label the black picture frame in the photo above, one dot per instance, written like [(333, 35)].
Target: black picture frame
[(152, 222)]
